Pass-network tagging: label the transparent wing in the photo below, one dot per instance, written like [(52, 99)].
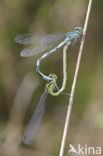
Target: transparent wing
[(31, 51), (27, 39), (30, 39), (34, 123), (51, 38)]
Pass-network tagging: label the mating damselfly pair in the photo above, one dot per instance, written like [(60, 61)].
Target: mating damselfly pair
[(40, 45)]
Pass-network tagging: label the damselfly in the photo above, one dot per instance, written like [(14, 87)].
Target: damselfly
[(51, 86), (46, 42), (34, 123)]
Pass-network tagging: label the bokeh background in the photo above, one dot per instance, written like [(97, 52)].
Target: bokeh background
[(21, 87)]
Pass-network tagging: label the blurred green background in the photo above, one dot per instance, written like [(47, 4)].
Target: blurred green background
[(21, 87)]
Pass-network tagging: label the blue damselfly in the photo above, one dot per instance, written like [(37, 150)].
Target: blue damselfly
[(46, 42)]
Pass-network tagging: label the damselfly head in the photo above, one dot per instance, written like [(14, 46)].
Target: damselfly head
[(53, 76), (79, 29)]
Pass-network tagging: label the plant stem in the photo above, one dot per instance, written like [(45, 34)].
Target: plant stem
[(74, 81)]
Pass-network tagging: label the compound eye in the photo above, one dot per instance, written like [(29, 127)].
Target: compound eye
[(76, 28)]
